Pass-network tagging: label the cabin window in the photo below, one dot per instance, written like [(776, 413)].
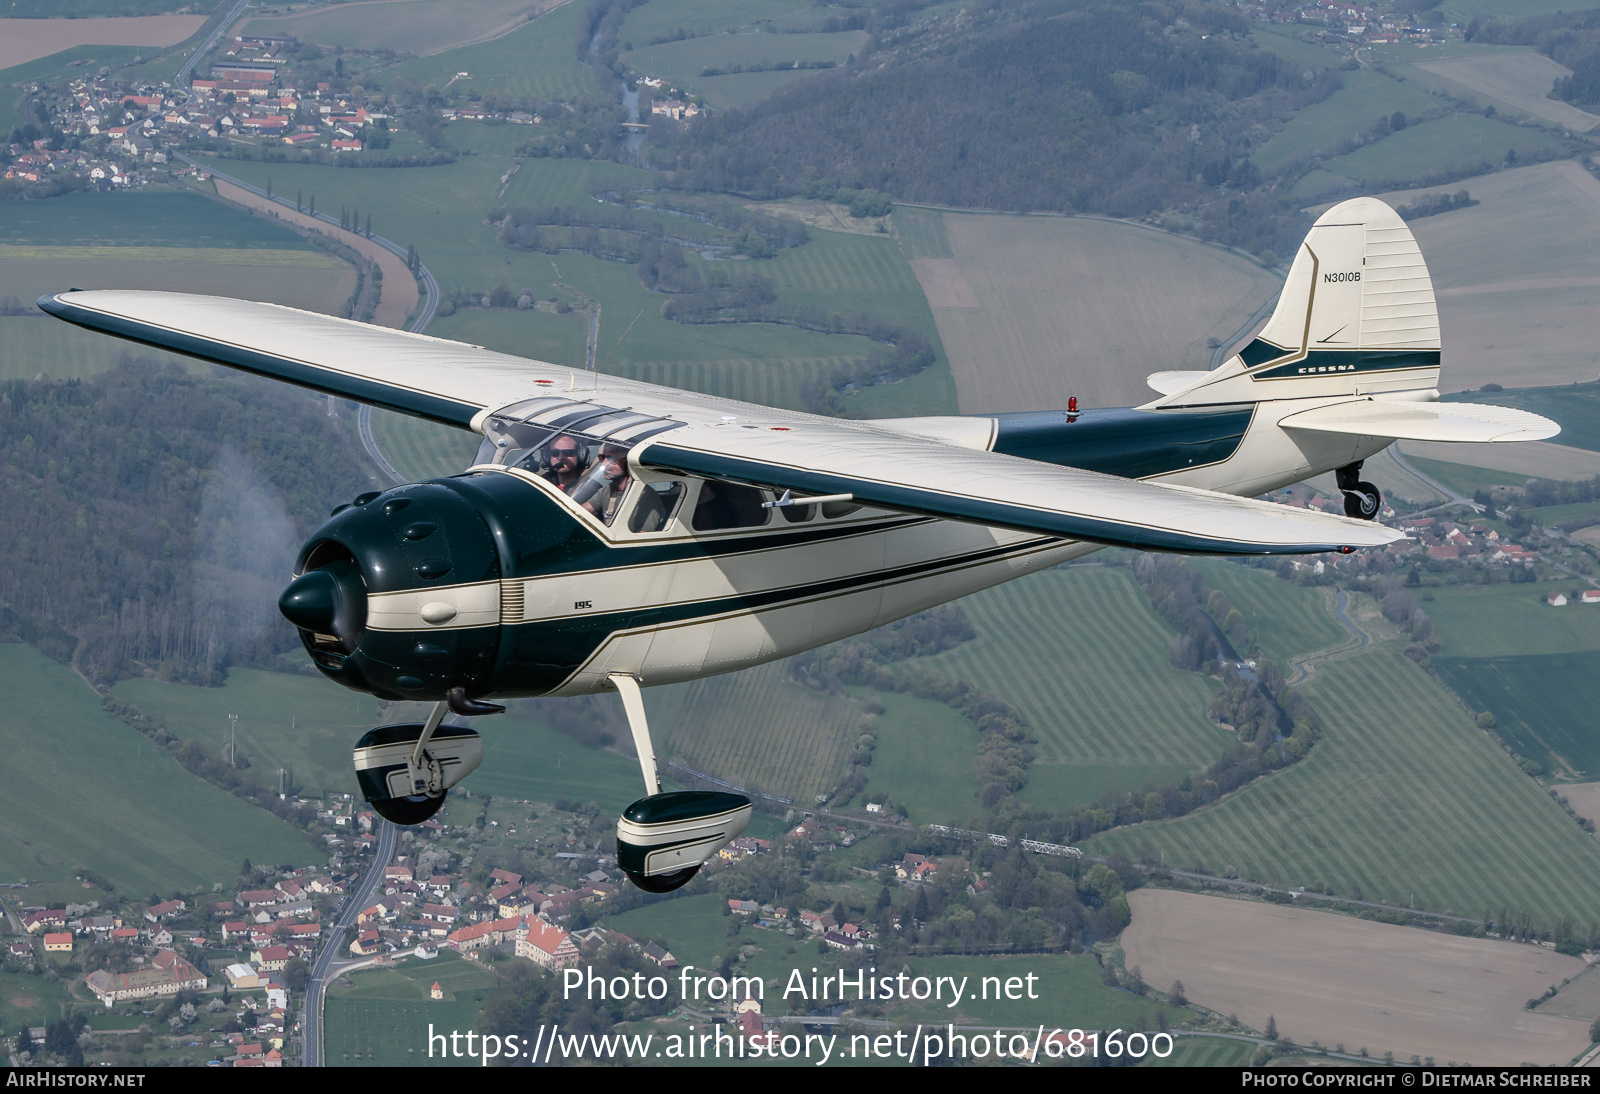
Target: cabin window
[(797, 514), (833, 510), (729, 505), (655, 507)]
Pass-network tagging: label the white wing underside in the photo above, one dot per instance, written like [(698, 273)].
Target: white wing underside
[(929, 466)]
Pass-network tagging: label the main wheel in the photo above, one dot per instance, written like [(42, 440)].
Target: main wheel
[(1363, 502), (664, 883), (409, 810)]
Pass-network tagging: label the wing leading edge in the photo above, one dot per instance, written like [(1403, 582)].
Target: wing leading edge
[(454, 384)]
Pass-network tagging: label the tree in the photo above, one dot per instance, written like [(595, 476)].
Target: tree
[(1272, 1027), (295, 974), (1178, 996), (1594, 1031)]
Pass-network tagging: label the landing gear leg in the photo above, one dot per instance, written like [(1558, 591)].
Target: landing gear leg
[(1362, 500), (663, 839)]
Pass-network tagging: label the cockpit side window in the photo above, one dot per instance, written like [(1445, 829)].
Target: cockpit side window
[(729, 505), (657, 504)]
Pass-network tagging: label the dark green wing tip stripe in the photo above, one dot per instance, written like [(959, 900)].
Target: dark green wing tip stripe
[(418, 404), (960, 507)]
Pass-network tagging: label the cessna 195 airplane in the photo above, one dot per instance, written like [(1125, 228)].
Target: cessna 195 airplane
[(612, 534)]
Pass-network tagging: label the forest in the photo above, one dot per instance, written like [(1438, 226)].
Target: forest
[(153, 512)]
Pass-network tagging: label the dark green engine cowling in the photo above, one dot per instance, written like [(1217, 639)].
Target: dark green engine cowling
[(410, 539)]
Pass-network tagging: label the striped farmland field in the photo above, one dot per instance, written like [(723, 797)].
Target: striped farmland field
[(1285, 620), (1083, 658), (757, 729), (421, 450), (767, 382), (1403, 800), (1192, 1051)]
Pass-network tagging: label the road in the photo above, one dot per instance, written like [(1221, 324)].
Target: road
[(1453, 497), (327, 965), (182, 78)]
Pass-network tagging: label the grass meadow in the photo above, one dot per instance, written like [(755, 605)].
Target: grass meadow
[(1477, 621), (422, 450), (1201, 1051), (1464, 478), (1403, 800), (535, 61), (302, 723), (1365, 97), (1457, 142), (682, 63), (920, 232), (30, 1000), (1285, 620), (385, 1019), (706, 17), (757, 728), (1575, 406), (87, 790), (924, 759), (1543, 705), (36, 347), (405, 26)]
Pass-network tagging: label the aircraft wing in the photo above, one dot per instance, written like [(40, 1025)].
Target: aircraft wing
[(911, 470)]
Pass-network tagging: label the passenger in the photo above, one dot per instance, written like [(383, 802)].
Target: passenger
[(606, 484), (566, 464)]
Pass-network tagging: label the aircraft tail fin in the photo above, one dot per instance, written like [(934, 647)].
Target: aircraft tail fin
[(1357, 316)]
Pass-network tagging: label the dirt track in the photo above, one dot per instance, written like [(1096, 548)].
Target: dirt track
[(1334, 979), (400, 293)]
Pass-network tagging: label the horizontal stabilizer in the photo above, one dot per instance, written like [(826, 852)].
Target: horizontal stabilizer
[(1425, 421), (1168, 383)]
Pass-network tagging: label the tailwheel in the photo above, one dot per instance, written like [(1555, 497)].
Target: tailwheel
[(663, 883), (1362, 501), (413, 809)]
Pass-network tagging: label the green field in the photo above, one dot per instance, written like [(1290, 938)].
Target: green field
[(681, 63), (73, 63), (30, 1000), (159, 217), (921, 233), (756, 728), (1575, 406), (525, 760), (1283, 619), (1205, 1052), (1509, 621), (1543, 704), (1463, 478), (38, 347), (384, 1021), (303, 723), (1403, 799), (707, 17), (536, 61), (1458, 142), (1365, 97), (87, 790), (924, 759), (404, 26), (1083, 658), (1057, 787), (419, 449)]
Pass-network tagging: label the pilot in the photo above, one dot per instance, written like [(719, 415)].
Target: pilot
[(566, 464)]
